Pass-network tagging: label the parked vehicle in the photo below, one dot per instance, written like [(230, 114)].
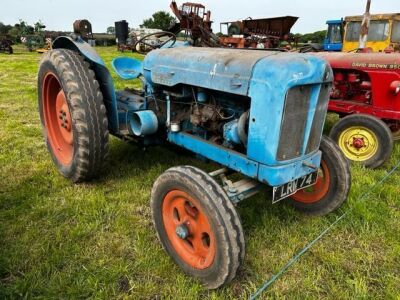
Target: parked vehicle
[(256, 113)]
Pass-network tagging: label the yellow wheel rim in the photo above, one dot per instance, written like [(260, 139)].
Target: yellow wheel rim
[(358, 143)]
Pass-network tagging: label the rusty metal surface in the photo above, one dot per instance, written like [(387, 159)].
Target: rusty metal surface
[(83, 28), (279, 26), (374, 17), (195, 21), (266, 32)]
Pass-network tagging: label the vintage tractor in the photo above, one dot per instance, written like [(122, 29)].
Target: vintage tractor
[(383, 35), (257, 114), (195, 22), (366, 91), (366, 95)]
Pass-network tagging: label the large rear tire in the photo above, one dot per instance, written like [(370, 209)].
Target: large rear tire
[(73, 115), (332, 186), (198, 225), (364, 139)]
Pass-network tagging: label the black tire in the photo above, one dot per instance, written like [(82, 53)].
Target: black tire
[(332, 195), (224, 222), (10, 50), (383, 136), (87, 111)]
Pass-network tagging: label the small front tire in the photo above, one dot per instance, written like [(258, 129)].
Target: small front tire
[(198, 225), (364, 139)]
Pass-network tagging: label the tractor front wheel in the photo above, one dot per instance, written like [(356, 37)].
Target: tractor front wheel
[(332, 186), (364, 139), (73, 114), (198, 225)]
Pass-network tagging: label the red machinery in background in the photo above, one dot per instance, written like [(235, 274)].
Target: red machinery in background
[(257, 33), (366, 95), (196, 22)]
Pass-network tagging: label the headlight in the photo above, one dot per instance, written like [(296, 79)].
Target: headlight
[(395, 87)]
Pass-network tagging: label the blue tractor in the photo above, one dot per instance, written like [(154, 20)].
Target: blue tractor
[(257, 113), (334, 36)]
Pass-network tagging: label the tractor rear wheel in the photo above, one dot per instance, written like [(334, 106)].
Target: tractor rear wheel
[(198, 225), (332, 186), (363, 138), (73, 114)]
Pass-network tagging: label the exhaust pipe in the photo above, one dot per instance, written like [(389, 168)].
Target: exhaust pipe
[(143, 123)]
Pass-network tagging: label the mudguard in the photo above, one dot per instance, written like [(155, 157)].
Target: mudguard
[(102, 75)]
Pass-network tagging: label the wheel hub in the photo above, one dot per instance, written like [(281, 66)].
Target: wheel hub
[(358, 143), (57, 119), (188, 229), (182, 231)]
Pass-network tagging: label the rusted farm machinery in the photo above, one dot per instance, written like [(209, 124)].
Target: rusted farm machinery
[(124, 41), (196, 22), (6, 44), (258, 33)]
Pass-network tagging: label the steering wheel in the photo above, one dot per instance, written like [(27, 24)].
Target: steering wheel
[(158, 43)]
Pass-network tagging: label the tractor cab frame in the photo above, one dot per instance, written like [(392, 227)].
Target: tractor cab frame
[(383, 33)]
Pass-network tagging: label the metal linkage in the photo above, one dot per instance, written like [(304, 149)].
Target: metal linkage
[(239, 190)]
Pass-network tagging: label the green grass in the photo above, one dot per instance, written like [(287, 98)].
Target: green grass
[(96, 240)]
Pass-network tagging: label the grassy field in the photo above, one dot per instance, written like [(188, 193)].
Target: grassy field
[(96, 240)]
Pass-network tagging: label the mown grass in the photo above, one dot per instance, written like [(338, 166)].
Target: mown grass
[(96, 240)]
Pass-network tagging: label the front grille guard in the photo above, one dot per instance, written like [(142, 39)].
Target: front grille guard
[(295, 119)]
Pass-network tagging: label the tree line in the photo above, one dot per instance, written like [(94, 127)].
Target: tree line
[(21, 29)]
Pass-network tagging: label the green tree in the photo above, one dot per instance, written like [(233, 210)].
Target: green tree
[(111, 30), (314, 37), (160, 20), (39, 26), (4, 29)]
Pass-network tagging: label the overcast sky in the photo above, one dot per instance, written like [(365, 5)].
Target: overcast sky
[(60, 14)]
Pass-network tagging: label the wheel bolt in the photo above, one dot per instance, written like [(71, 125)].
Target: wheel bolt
[(182, 231)]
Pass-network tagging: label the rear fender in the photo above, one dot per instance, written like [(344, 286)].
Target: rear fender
[(102, 75)]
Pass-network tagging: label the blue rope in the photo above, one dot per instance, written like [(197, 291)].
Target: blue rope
[(299, 254)]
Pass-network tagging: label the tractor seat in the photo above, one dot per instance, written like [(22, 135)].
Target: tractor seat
[(127, 68)]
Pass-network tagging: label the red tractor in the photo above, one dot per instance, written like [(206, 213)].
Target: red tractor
[(366, 95)]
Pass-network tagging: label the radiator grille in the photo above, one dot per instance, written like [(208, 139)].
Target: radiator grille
[(294, 121), (319, 119)]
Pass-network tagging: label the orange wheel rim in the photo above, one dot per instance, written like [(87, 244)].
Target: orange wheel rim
[(57, 119), (188, 229), (316, 192)]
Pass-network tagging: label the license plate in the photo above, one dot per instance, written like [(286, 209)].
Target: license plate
[(281, 192)]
